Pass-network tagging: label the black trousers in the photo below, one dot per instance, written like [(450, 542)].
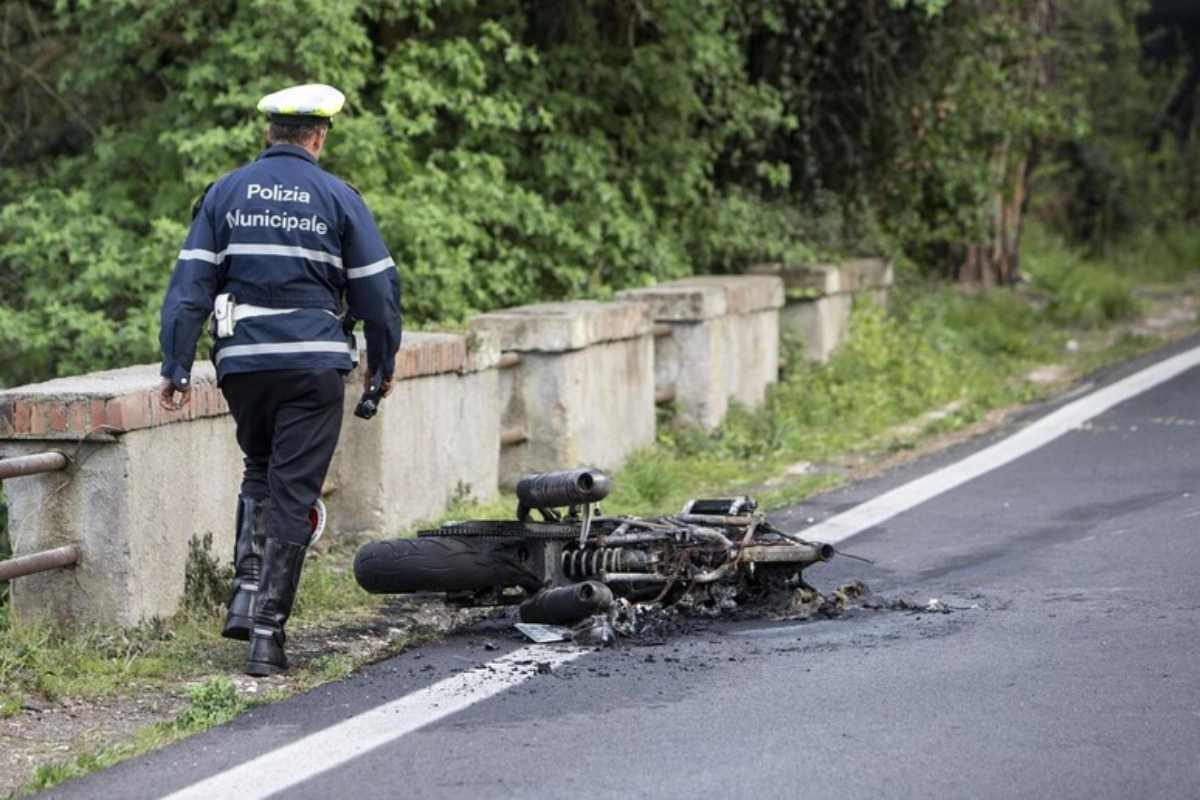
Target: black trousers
[(288, 422)]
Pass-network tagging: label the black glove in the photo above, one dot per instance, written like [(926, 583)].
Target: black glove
[(368, 404)]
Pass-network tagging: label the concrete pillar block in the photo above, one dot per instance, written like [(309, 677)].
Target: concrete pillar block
[(693, 362), (582, 392), (821, 296), (435, 439), (820, 323), (138, 490), (723, 342), (866, 274)]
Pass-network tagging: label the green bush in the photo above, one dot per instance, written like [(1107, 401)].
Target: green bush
[(510, 151), (1156, 254), (1081, 291)]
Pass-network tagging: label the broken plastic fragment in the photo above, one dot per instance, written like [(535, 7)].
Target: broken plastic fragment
[(544, 634)]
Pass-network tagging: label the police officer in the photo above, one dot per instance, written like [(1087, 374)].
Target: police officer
[(273, 250)]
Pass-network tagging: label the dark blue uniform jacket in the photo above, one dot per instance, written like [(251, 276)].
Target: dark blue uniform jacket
[(281, 233)]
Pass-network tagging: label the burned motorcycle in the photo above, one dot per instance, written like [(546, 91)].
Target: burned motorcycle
[(574, 560)]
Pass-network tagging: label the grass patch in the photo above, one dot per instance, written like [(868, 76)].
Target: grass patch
[(10, 704), (100, 661)]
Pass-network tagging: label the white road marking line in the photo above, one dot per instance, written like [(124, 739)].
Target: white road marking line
[(305, 758), (326, 749), (1045, 430)]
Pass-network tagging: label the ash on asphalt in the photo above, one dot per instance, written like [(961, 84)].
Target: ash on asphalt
[(654, 625), (689, 636)]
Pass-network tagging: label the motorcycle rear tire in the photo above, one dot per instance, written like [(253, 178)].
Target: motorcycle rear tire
[(403, 566)]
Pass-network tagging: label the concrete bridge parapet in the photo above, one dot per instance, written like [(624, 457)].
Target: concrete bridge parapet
[(143, 482), (140, 485)]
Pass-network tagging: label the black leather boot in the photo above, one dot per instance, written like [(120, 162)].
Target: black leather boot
[(247, 566), (282, 561)]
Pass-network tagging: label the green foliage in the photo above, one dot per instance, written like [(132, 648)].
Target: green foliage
[(10, 704), (1081, 292), (931, 7), (328, 590), (892, 369), (1157, 254), (510, 152), (331, 667), (980, 109)]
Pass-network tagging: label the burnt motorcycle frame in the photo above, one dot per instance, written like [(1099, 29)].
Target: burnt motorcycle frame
[(717, 542)]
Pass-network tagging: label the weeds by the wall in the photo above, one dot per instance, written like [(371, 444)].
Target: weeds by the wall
[(206, 581), (99, 661), (936, 348)]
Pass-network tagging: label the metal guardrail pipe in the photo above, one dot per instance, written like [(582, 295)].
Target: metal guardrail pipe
[(57, 558), (33, 464), (508, 360)]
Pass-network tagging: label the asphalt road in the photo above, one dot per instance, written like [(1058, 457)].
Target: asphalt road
[(1070, 666)]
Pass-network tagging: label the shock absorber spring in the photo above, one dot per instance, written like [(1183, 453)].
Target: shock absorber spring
[(589, 562)]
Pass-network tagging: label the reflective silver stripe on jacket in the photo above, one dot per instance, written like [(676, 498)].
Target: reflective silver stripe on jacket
[(261, 250), (281, 348), (201, 255), (370, 269), (243, 311)]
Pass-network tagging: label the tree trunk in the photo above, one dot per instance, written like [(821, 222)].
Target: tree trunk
[(998, 260)]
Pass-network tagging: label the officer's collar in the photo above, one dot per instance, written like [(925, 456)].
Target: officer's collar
[(284, 149)]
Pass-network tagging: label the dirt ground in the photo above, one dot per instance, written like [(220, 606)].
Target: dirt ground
[(44, 732)]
